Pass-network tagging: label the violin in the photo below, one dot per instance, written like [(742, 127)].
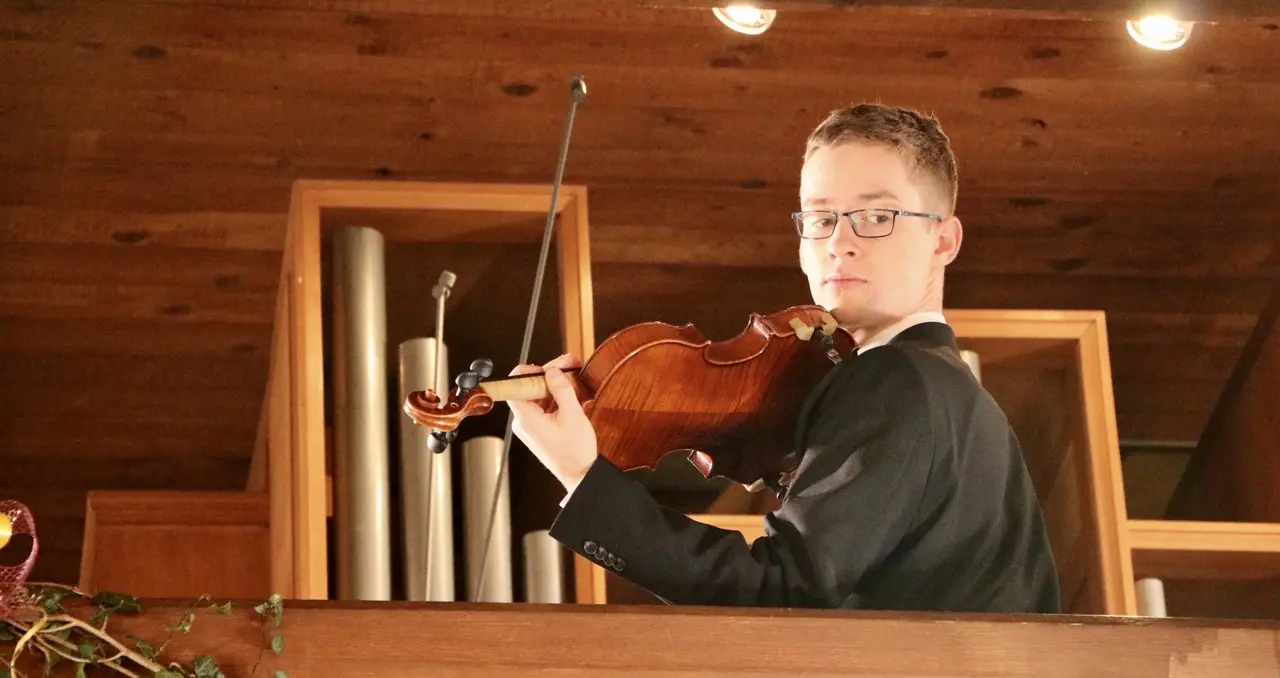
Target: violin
[(654, 388)]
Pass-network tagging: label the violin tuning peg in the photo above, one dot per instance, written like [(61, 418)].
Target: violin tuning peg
[(438, 441), (483, 367), (467, 381)]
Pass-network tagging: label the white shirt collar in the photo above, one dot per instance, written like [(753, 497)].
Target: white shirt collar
[(887, 334)]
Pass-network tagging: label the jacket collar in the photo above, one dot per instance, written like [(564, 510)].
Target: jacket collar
[(887, 335), (931, 333)]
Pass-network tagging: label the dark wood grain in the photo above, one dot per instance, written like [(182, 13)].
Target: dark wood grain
[(1231, 476)]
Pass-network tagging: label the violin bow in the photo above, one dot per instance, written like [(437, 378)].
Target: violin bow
[(577, 93)]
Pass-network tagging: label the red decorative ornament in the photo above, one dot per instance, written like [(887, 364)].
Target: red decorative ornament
[(15, 519)]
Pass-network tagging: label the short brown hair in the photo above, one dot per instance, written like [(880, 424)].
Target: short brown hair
[(919, 137)]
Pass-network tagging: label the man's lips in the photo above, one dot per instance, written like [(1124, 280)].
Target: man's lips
[(843, 279)]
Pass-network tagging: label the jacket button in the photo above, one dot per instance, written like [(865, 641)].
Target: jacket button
[(589, 547)]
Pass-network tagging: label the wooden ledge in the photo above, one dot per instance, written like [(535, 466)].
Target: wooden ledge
[(398, 640), (1205, 550)]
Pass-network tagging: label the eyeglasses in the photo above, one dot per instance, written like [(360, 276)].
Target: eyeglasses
[(867, 223)]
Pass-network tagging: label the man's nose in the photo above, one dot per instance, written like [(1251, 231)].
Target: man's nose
[(843, 240)]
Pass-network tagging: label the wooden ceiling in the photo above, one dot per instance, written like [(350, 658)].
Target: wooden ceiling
[(147, 149)]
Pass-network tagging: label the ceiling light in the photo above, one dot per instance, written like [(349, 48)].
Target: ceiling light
[(1160, 32), (745, 18)]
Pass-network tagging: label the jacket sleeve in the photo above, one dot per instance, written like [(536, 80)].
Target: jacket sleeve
[(854, 496)]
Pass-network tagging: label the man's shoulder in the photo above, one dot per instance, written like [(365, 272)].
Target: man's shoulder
[(908, 377), (908, 368), (930, 366), (885, 378)]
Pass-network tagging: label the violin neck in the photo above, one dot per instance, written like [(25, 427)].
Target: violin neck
[(526, 387)]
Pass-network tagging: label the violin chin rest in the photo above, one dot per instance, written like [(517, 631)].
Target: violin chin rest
[(803, 332), (829, 324)]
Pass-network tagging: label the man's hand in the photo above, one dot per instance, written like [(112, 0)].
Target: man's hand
[(556, 431)]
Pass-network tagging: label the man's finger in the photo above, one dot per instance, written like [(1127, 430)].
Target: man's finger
[(562, 391), (527, 415), (565, 362), (524, 369)]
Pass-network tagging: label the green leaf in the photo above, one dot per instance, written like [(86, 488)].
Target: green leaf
[(277, 644), (184, 625), (279, 674), (50, 599), (6, 673), (6, 634), (167, 673), (87, 650), (147, 649), (225, 608), (79, 671), (117, 602), (274, 607), (206, 668), (99, 618)]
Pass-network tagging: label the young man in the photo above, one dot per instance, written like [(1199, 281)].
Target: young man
[(912, 493)]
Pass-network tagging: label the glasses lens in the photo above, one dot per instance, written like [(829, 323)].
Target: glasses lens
[(873, 223), (815, 224)]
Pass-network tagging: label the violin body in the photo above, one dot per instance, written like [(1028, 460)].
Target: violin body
[(653, 389)]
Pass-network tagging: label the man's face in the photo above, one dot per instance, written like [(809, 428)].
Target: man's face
[(871, 282)]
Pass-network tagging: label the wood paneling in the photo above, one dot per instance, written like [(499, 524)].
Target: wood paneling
[(147, 151), (1235, 472), (211, 543)]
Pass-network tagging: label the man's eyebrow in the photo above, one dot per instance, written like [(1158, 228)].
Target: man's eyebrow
[(862, 197), (878, 195)]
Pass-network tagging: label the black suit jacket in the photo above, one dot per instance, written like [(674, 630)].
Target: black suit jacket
[(911, 494)]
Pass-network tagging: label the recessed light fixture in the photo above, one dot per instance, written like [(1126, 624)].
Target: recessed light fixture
[(746, 18), (1160, 32)]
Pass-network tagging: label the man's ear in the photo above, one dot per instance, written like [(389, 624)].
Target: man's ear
[(950, 235)]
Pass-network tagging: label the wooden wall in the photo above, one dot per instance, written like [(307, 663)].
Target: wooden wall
[(147, 148)]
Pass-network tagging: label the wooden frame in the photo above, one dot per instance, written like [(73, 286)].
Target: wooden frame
[(1194, 549), (289, 458), (1052, 373)]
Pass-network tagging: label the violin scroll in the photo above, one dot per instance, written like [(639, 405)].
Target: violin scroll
[(424, 408)]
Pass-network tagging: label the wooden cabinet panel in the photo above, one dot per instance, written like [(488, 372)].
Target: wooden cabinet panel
[(177, 544)]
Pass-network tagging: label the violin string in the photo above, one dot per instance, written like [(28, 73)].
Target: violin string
[(578, 92)]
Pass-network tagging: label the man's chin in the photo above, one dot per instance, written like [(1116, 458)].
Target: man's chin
[(848, 315)]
